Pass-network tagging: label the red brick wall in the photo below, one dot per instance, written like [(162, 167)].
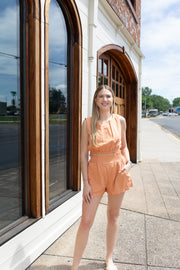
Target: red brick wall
[(125, 14)]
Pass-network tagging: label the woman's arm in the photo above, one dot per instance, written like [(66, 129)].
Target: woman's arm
[(124, 148), (84, 163)]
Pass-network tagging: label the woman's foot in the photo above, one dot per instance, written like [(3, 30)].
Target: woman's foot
[(111, 266)]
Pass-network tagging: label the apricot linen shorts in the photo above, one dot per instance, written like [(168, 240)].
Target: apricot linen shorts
[(104, 176)]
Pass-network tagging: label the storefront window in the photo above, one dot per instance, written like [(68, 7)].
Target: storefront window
[(11, 115), (58, 101)]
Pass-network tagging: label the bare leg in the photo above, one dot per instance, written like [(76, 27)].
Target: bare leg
[(114, 205), (88, 215)]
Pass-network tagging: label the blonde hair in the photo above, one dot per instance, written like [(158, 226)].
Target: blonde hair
[(95, 112)]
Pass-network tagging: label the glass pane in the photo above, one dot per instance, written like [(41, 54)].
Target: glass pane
[(121, 92), (100, 80), (117, 74), (9, 27), (113, 86), (57, 35), (100, 66), (106, 67), (113, 72), (106, 81), (57, 101), (117, 90), (11, 207)]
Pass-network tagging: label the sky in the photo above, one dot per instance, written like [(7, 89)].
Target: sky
[(160, 44)]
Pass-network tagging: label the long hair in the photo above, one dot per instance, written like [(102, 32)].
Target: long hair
[(95, 112)]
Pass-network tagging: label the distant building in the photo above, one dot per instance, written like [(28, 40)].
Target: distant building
[(71, 46), (3, 108)]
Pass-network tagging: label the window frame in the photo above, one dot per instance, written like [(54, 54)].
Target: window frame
[(132, 8), (31, 152), (53, 203), (76, 99), (33, 113)]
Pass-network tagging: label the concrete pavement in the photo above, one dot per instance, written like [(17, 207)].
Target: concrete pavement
[(149, 229)]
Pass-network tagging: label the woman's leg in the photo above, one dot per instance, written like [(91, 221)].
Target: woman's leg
[(114, 205), (88, 215)]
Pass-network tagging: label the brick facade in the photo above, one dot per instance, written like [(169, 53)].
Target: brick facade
[(130, 16)]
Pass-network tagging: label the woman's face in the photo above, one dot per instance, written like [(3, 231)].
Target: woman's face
[(104, 100)]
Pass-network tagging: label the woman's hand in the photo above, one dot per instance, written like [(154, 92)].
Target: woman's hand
[(126, 167), (87, 193)]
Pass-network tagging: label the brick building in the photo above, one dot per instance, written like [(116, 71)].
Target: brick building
[(53, 55)]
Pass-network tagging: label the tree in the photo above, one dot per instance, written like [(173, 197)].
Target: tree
[(146, 98), (160, 103), (57, 101), (176, 102)]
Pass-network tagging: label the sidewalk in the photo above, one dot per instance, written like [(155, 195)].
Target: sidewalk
[(149, 230)]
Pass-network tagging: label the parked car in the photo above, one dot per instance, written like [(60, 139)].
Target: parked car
[(169, 114), (165, 113), (153, 112), (172, 114)]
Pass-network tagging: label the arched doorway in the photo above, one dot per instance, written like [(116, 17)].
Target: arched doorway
[(116, 70)]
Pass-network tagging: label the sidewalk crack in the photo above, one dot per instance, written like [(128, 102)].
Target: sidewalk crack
[(160, 191)]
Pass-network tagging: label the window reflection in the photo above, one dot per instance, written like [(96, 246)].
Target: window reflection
[(58, 120), (106, 67), (9, 27), (11, 207)]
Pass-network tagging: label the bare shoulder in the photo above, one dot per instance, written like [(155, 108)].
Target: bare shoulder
[(121, 118)]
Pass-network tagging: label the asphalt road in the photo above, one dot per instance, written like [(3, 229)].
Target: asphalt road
[(171, 123)]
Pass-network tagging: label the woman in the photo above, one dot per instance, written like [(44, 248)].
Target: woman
[(104, 136)]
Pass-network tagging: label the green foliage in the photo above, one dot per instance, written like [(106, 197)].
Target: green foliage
[(146, 98), (146, 91), (154, 101), (176, 102), (160, 103)]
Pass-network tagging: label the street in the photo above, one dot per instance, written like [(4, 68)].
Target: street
[(171, 123)]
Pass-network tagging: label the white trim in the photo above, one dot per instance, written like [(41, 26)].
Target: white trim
[(92, 21), (19, 252), (139, 130)]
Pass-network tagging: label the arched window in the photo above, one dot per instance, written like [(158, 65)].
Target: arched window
[(12, 92), (59, 93), (63, 96)]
